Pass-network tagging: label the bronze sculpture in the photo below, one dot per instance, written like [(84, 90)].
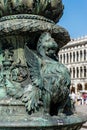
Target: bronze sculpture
[(30, 74)]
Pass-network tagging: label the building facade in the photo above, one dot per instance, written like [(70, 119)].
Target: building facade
[(74, 56)]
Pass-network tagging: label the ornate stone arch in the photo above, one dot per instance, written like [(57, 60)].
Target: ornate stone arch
[(72, 88), (79, 87)]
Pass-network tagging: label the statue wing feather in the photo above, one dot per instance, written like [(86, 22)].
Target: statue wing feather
[(34, 67), (32, 92)]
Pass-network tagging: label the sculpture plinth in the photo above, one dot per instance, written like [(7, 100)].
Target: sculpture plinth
[(14, 116), (34, 86)]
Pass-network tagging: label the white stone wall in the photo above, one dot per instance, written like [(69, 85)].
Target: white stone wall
[(74, 56)]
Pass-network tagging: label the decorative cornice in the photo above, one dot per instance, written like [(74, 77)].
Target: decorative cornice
[(82, 38), (77, 41)]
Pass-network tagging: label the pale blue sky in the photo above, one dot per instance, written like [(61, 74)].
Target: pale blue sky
[(74, 18)]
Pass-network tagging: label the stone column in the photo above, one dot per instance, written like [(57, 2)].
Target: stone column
[(69, 57), (75, 56), (72, 56), (79, 55), (79, 71), (62, 59), (65, 58), (86, 71), (82, 71), (75, 88), (83, 87), (86, 54)]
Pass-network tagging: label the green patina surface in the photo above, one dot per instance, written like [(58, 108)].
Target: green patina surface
[(34, 86), (52, 9)]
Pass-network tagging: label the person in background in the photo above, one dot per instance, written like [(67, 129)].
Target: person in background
[(79, 99), (84, 96), (73, 99)]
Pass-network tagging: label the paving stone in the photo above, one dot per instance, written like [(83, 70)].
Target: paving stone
[(82, 109)]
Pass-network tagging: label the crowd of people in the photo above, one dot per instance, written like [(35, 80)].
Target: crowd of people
[(79, 98)]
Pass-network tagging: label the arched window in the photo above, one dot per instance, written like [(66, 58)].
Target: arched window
[(84, 54), (67, 57), (79, 87), (72, 89), (60, 58), (73, 72), (73, 56), (77, 72), (77, 56), (64, 58), (80, 55), (81, 72), (85, 71)]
